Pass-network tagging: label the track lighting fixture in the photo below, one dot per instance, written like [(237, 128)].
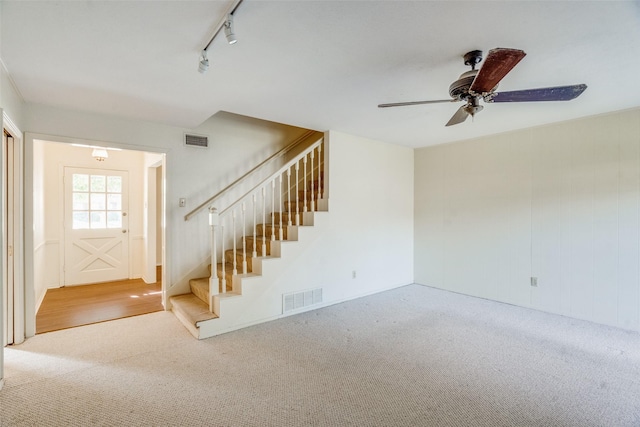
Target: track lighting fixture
[(228, 30), (204, 62), (227, 24)]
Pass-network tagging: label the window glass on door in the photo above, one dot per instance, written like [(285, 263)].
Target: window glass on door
[(96, 201)]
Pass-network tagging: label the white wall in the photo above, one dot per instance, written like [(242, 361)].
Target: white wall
[(236, 144), (11, 105), (370, 222), (10, 99), (560, 203)]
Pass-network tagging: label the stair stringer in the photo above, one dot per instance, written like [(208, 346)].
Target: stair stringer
[(256, 297)]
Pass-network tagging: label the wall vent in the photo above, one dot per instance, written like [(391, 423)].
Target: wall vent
[(196, 140), (297, 300)]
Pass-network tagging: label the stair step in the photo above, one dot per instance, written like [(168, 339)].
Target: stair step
[(291, 206), (317, 184), (309, 194), (285, 218), (259, 241), (228, 258), (191, 309), (267, 229), (200, 288)]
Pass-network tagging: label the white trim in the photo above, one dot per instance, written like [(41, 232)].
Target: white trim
[(18, 266), (1, 298), (10, 125), (10, 78), (30, 136)]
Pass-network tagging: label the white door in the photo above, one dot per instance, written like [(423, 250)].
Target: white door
[(96, 226)]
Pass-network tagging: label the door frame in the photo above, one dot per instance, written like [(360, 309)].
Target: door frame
[(30, 306), (15, 155)]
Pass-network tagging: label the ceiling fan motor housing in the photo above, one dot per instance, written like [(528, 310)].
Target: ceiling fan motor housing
[(460, 88)]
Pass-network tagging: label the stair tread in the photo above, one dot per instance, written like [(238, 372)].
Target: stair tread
[(192, 308)]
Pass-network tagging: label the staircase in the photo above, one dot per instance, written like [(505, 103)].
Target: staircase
[(279, 208)]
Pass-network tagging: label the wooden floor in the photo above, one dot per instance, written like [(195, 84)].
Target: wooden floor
[(73, 306)]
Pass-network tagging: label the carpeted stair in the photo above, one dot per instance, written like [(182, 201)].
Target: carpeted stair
[(193, 308)]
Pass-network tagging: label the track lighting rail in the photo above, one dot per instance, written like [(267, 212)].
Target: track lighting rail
[(227, 24)]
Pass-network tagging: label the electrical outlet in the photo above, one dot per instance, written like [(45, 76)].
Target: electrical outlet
[(353, 274), (534, 282)]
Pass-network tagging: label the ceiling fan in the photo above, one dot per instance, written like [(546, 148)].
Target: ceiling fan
[(474, 85)]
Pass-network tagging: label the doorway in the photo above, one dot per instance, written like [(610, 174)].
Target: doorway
[(88, 222)]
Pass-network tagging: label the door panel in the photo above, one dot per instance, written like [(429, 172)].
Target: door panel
[(96, 226)]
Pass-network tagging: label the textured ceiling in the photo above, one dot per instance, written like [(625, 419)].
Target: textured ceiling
[(320, 64)]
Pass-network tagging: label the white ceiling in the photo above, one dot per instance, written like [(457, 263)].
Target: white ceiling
[(320, 64)]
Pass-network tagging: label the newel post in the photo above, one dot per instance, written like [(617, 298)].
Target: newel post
[(213, 279)]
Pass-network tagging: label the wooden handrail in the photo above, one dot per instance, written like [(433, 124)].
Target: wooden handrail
[(279, 172), (278, 154)]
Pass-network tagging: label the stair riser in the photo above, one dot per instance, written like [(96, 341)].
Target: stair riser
[(259, 241), (267, 230), (299, 205), (319, 186), (286, 217), (228, 258), (309, 195)]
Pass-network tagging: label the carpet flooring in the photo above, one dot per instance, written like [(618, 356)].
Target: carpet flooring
[(413, 356)]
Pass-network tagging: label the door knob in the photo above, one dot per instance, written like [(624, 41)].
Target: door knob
[(124, 231)]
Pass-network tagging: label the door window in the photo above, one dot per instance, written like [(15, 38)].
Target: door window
[(96, 201)]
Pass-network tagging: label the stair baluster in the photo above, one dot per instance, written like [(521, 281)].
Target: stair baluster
[(235, 252), (280, 216), (224, 270), (289, 196), (296, 193), (273, 198), (244, 240), (313, 186), (254, 253), (304, 186), (320, 177), (213, 280), (264, 229)]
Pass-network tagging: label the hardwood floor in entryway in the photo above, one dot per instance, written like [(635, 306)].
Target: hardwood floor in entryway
[(73, 306)]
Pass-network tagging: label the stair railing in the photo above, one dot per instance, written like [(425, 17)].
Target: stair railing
[(277, 202), (276, 155)]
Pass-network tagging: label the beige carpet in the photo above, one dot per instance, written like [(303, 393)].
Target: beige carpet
[(414, 356)]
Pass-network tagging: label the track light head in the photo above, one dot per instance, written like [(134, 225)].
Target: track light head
[(228, 30), (204, 63)]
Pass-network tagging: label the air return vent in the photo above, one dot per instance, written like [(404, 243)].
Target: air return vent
[(196, 140), (297, 300)]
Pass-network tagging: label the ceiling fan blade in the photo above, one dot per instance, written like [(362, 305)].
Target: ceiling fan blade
[(459, 117), (402, 104), (558, 93), (498, 63)]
